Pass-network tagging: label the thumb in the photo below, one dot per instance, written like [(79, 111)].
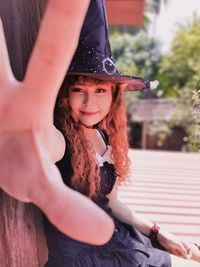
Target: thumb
[(188, 249), (184, 251)]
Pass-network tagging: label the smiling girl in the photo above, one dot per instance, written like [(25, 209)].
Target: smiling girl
[(91, 115)]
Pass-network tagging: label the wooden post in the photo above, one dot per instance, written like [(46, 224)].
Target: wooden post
[(144, 135), (22, 241)]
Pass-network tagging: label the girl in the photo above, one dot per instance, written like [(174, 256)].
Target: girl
[(92, 117), (90, 113)]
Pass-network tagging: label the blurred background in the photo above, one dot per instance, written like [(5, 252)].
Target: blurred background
[(160, 39)]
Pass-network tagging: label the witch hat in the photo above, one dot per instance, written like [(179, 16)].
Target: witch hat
[(93, 56)]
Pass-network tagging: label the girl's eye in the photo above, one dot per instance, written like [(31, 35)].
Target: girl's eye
[(76, 90), (100, 90)]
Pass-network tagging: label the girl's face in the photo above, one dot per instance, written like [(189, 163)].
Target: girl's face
[(90, 102)]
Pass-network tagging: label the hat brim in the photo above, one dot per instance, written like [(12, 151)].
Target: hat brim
[(133, 83)]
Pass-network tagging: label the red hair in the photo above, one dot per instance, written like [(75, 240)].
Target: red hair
[(86, 177)]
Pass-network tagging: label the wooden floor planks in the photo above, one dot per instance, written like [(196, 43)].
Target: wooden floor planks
[(165, 187)]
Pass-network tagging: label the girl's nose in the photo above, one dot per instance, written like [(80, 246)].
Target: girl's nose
[(88, 98)]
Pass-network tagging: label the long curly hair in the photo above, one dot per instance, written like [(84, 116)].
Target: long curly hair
[(86, 173)]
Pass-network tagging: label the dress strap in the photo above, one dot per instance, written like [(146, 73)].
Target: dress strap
[(104, 136)]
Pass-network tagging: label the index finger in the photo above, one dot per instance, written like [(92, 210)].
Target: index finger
[(55, 46)]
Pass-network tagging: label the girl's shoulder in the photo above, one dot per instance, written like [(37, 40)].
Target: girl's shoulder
[(55, 143), (64, 164), (60, 143)]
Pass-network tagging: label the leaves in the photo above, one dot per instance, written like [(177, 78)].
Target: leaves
[(181, 68), (178, 71), (135, 54)]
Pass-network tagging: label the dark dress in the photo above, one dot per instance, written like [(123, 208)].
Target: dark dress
[(127, 247)]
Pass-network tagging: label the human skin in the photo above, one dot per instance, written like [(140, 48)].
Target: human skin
[(27, 132), (90, 103)]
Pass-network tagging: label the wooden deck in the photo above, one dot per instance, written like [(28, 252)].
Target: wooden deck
[(165, 187)]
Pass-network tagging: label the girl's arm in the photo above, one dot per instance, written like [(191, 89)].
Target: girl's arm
[(169, 241), (126, 215)]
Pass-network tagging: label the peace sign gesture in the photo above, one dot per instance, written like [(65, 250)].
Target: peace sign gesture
[(26, 123)]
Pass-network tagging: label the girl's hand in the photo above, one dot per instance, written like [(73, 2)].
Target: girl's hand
[(26, 108), (26, 115), (195, 251), (174, 245)]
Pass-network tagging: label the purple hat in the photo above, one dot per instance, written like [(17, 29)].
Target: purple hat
[(93, 56)]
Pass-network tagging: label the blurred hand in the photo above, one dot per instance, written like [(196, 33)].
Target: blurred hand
[(174, 245), (26, 114), (195, 251)]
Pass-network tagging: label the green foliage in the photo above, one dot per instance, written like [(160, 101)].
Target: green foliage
[(195, 129), (132, 29), (178, 73), (180, 70), (179, 76), (135, 54)]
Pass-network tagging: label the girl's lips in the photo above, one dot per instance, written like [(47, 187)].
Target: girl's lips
[(89, 113)]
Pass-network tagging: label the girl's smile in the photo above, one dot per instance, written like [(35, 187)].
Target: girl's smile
[(85, 113)]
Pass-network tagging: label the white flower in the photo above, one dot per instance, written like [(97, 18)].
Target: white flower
[(154, 84)]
